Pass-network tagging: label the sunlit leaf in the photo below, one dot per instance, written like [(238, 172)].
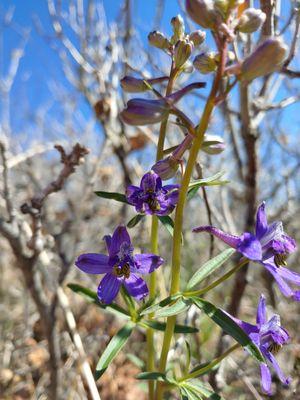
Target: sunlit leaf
[(229, 326), (112, 196), (209, 267), (114, 347), (92, 297)]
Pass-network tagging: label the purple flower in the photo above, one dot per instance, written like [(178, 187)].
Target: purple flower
[(151, 197), (270, 246), (120, 267), (269, 336)]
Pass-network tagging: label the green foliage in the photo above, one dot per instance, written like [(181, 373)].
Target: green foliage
[(229, 326), (115, 345), (112, 196), (92, 297), (209, 267)]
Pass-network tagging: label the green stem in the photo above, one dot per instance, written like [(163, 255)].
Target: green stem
[(209, 366), (154, 241), (218, 281), (178, 223)]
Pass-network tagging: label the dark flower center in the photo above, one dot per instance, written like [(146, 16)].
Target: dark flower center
[(154, 204), (274, 348), (122, 270), (280, 259)]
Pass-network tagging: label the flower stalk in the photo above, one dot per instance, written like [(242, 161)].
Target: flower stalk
[(178, 223)]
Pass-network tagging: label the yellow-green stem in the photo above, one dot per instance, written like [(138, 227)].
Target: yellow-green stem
[(211, 365), (176, 255), (154, 241)]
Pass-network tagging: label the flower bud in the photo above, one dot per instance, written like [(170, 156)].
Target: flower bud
[(266, 58), (251, 20), (221, 6), (183, 50), (166, 168), (178, 28), (144, 112), (213, 144), (202, 12), (197, 37), (157, 39), (133, 85), (205, 62)]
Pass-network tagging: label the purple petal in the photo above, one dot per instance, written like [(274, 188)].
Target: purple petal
[(108, 288), (147, 263), (93, 263), (151, 182), (283, 286), (250, 247), (231, 240), (248, 328), (289, 275), (296, 295), (261, 315), (265, 378), (132, 193), (261, 221), (119, 237), (172, 194), (281, 376), (136, 287), (107, 240), (289, 244)]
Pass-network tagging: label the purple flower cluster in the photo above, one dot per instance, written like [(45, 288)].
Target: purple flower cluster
[(120, 266), (151, 197), (269, 246), (269, 336)]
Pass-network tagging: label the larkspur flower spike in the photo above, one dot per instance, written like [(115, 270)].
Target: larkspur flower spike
[(151, 197), (269, 336), (120, 266), (270, 247)]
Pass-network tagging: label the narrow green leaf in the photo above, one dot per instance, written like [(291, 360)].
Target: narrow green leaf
[(114, 346), (206, 181), (168, 223), (163, 303), (136, 360), (178, 307), (211, 181), (135, 220), (229, 326), (189, 394), (152, 376), (112, 196), (92, 297), (209, 267), (161, 326), (188, 357), (198, 388)]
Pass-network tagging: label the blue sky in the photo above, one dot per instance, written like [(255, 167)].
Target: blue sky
[(41, 65)]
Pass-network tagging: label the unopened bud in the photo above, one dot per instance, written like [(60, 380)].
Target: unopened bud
[(166, 168), (203, 13), (157, 39), (213, 144), (197, 37), (205, 62), (144, 112), (178, 28), (251, 20), (182, 52), (268, 57), (222, 6), (133, 85)]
